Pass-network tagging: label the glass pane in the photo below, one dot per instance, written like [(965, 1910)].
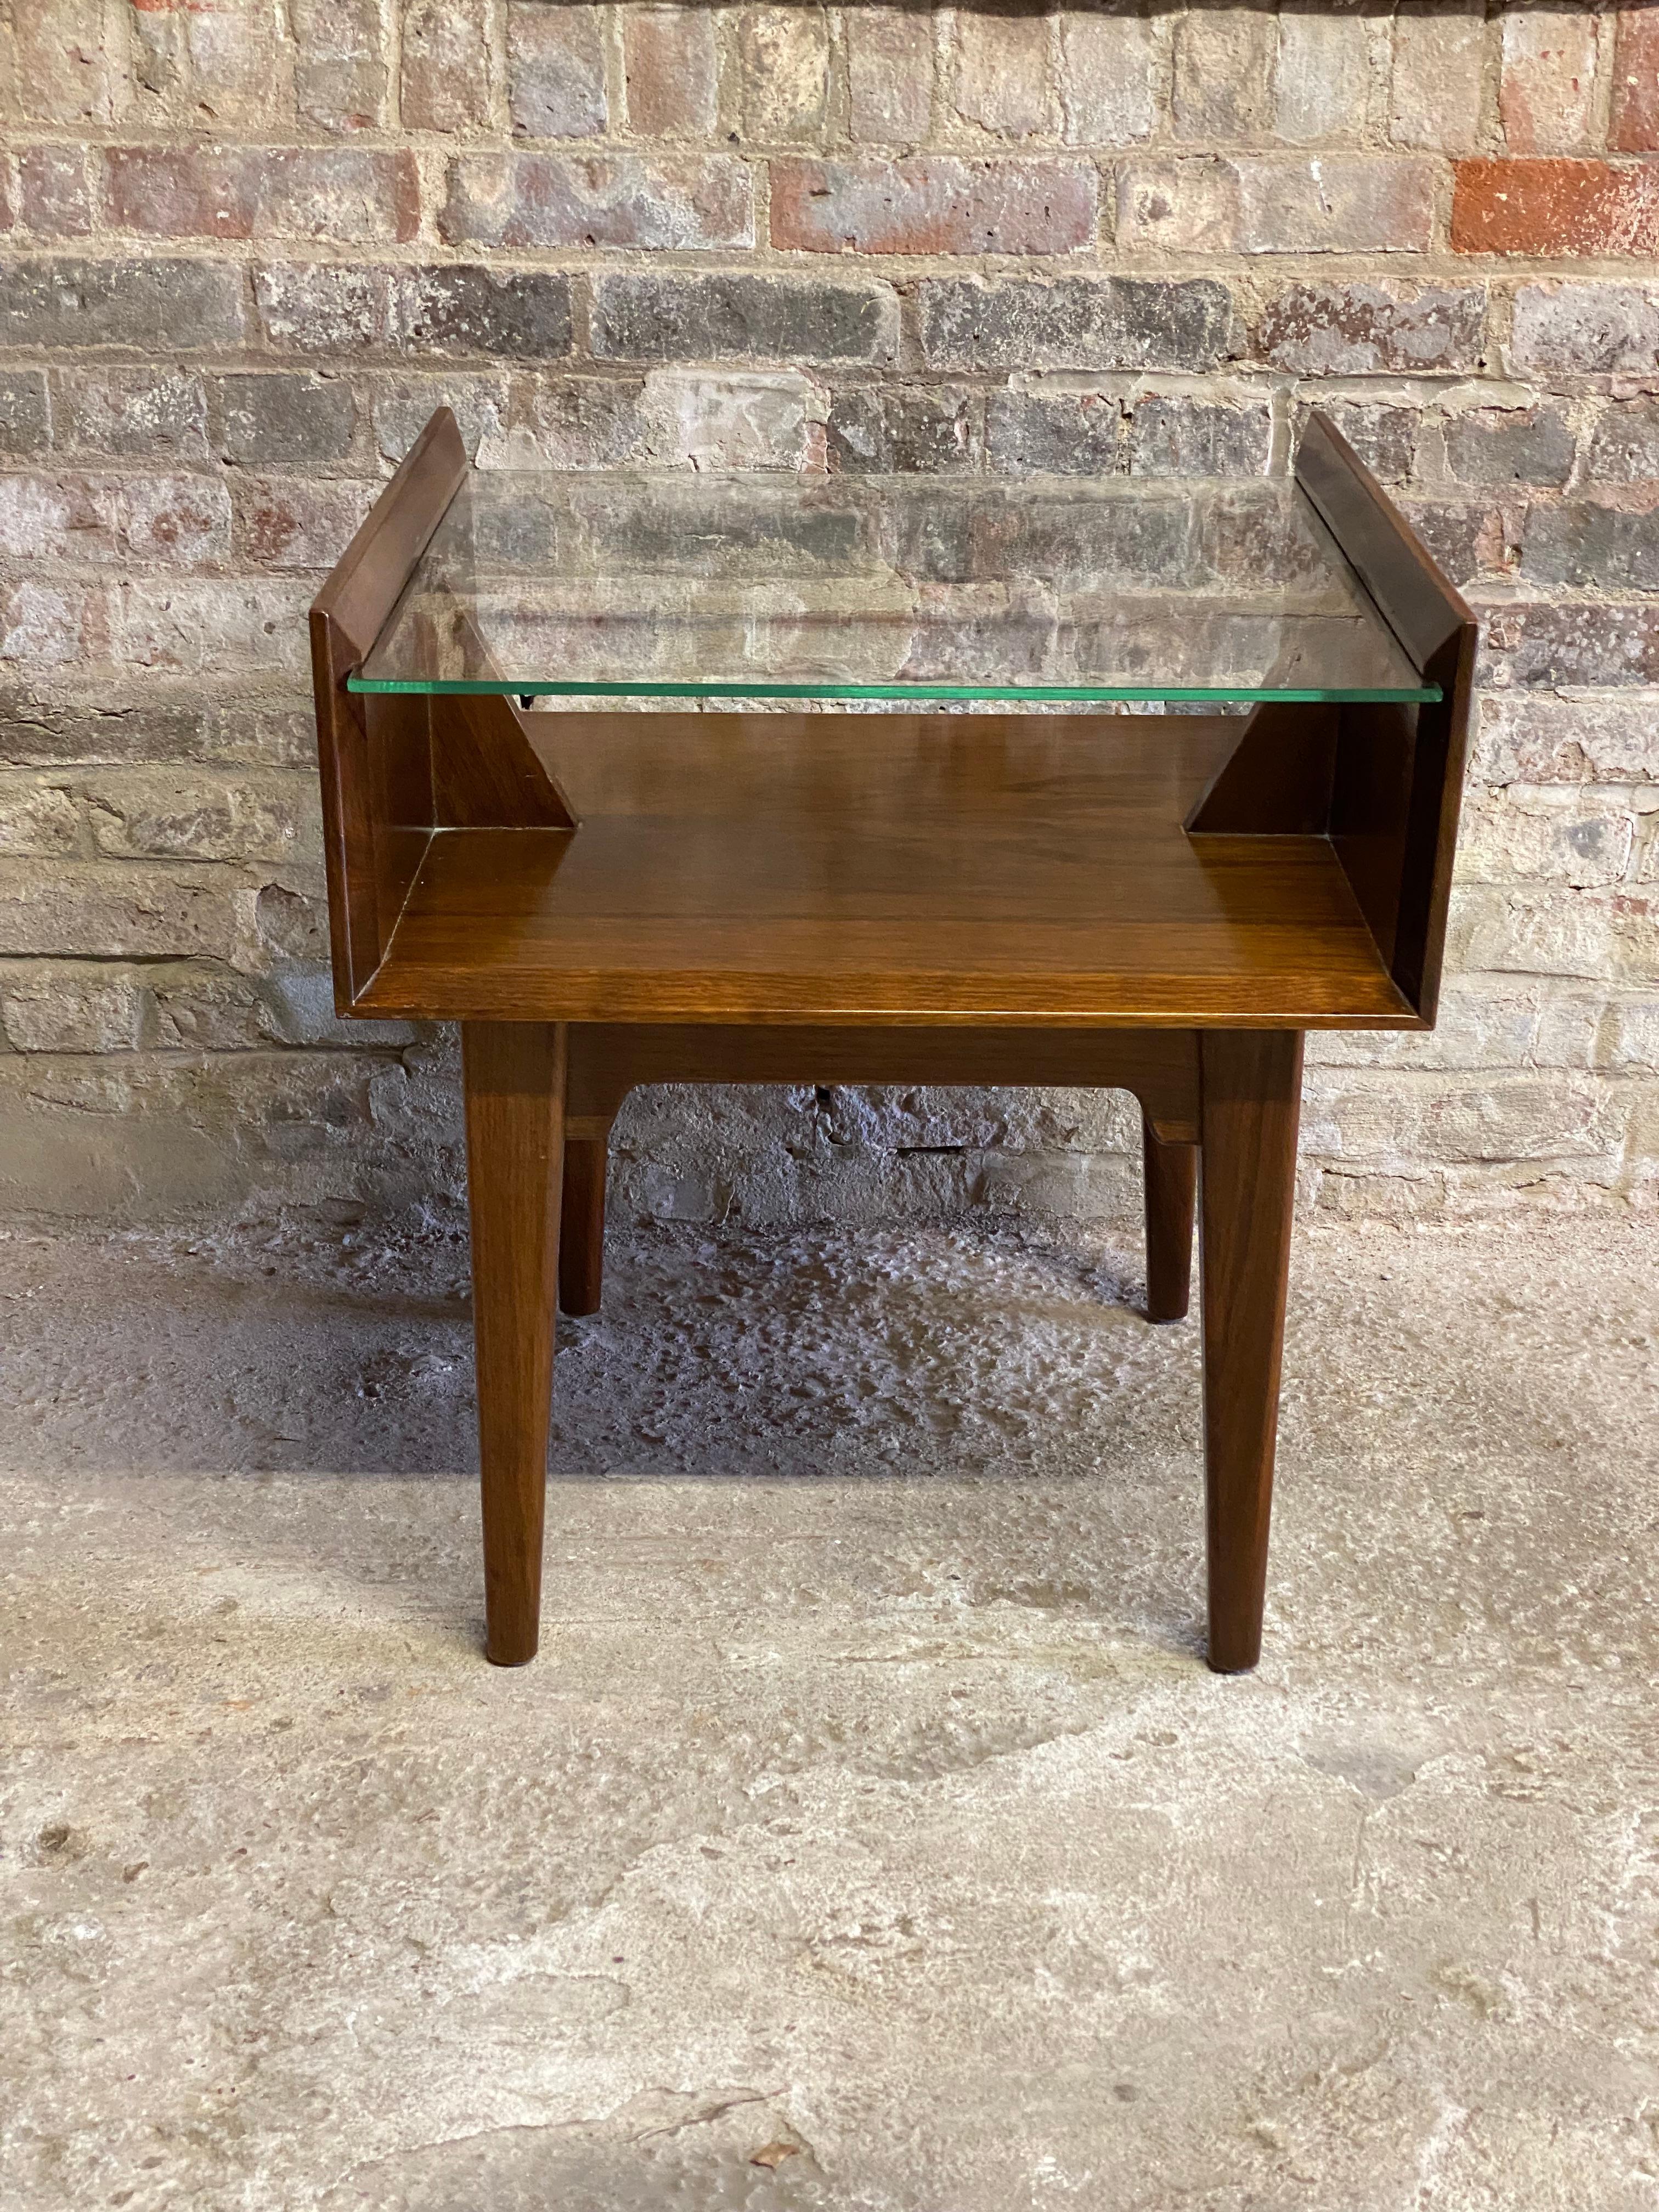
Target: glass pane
[(900, 587)]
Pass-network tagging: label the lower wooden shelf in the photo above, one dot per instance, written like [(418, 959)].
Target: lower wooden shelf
[(883, 869)]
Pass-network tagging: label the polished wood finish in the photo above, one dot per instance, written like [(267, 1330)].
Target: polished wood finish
[(903, 869), (1170, 1176), (581, 1224), (514, 1078), (1161, 906), (1252, 1090)]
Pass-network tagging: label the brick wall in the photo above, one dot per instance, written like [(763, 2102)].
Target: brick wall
[(248, 243)]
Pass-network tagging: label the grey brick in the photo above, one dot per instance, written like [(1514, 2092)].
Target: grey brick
[(323, 307), (1587, 329), (1583, 542), (1358, 329), (273, 420), (1076, 322), (150, 306), (1177, 436), (1547, 647), (723, 318), (137, 414), (1624, 448), (522, 315), (1383, 434), (1059, 433), (904, 428), (1525, 445), (24, 424)]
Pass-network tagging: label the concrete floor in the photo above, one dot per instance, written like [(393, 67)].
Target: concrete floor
[(869, 1835)]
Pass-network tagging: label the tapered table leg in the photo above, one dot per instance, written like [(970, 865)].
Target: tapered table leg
[(582, 1225), (1170, 1177), (1252, 1088), (514, 1074)]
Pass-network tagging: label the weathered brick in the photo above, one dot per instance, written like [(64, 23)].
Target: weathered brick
[(1587, 329), (468, 308), (211, 67), (1108, 76), (1361, 328), (890, 74), (720, 316), (37, 816), (1044, 428), (1224, 58), (268, 421), (1467, 538), (934, 203), (1547, 94), (295, 1005), (341, 79), (1551, 648), (556, 70), (132, 414), (1003, 73), (44, 625), (1524, 737), (50, 731), (1383, 432), (1625, 444), (783, 55), (1439, 59), (149, 306), (1178, 433), (334, 192), (66, 1005), (161, 814), (221, 628), (66, 69), (574, 422), (284, 523), (1531, 445), (402, 406), (1335, 204), (670, 70), (1589, 544), (1564, 834), (1556, 208), (1633, 122), (24, 425), (618, 199), (167, 520), (1078, 322), (447, 77), (1533, 1117), (1322, 73), (904, 429), (55, 199), (193, 1007), (111, 909), (324, 307), (743, 419)]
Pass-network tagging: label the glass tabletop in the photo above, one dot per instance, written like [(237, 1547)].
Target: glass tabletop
[(905, 588)]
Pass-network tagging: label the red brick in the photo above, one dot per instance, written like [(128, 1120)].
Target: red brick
[(671, 64), (332, 192), (1556, 208), (935, 203), (1633, 125)]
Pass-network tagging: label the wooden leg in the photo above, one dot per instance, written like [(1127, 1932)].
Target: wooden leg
[(1251, 1082), (582, 1225), (514, 1074), (1170, 1173)]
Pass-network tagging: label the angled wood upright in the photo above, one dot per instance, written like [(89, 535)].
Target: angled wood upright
[(1163, 905)]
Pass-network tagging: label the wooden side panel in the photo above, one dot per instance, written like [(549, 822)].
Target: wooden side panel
[(486, 773), (1276, 782), (376, 771)]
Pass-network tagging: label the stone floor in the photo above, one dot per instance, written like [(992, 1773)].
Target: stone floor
[(869, 1835)]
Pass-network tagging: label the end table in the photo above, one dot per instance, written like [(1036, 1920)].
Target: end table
[(1159, 903)]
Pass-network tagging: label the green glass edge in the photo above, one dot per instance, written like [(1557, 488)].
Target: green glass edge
[(469, 687)]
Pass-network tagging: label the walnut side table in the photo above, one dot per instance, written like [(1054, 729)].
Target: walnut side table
[(1162, 904)]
